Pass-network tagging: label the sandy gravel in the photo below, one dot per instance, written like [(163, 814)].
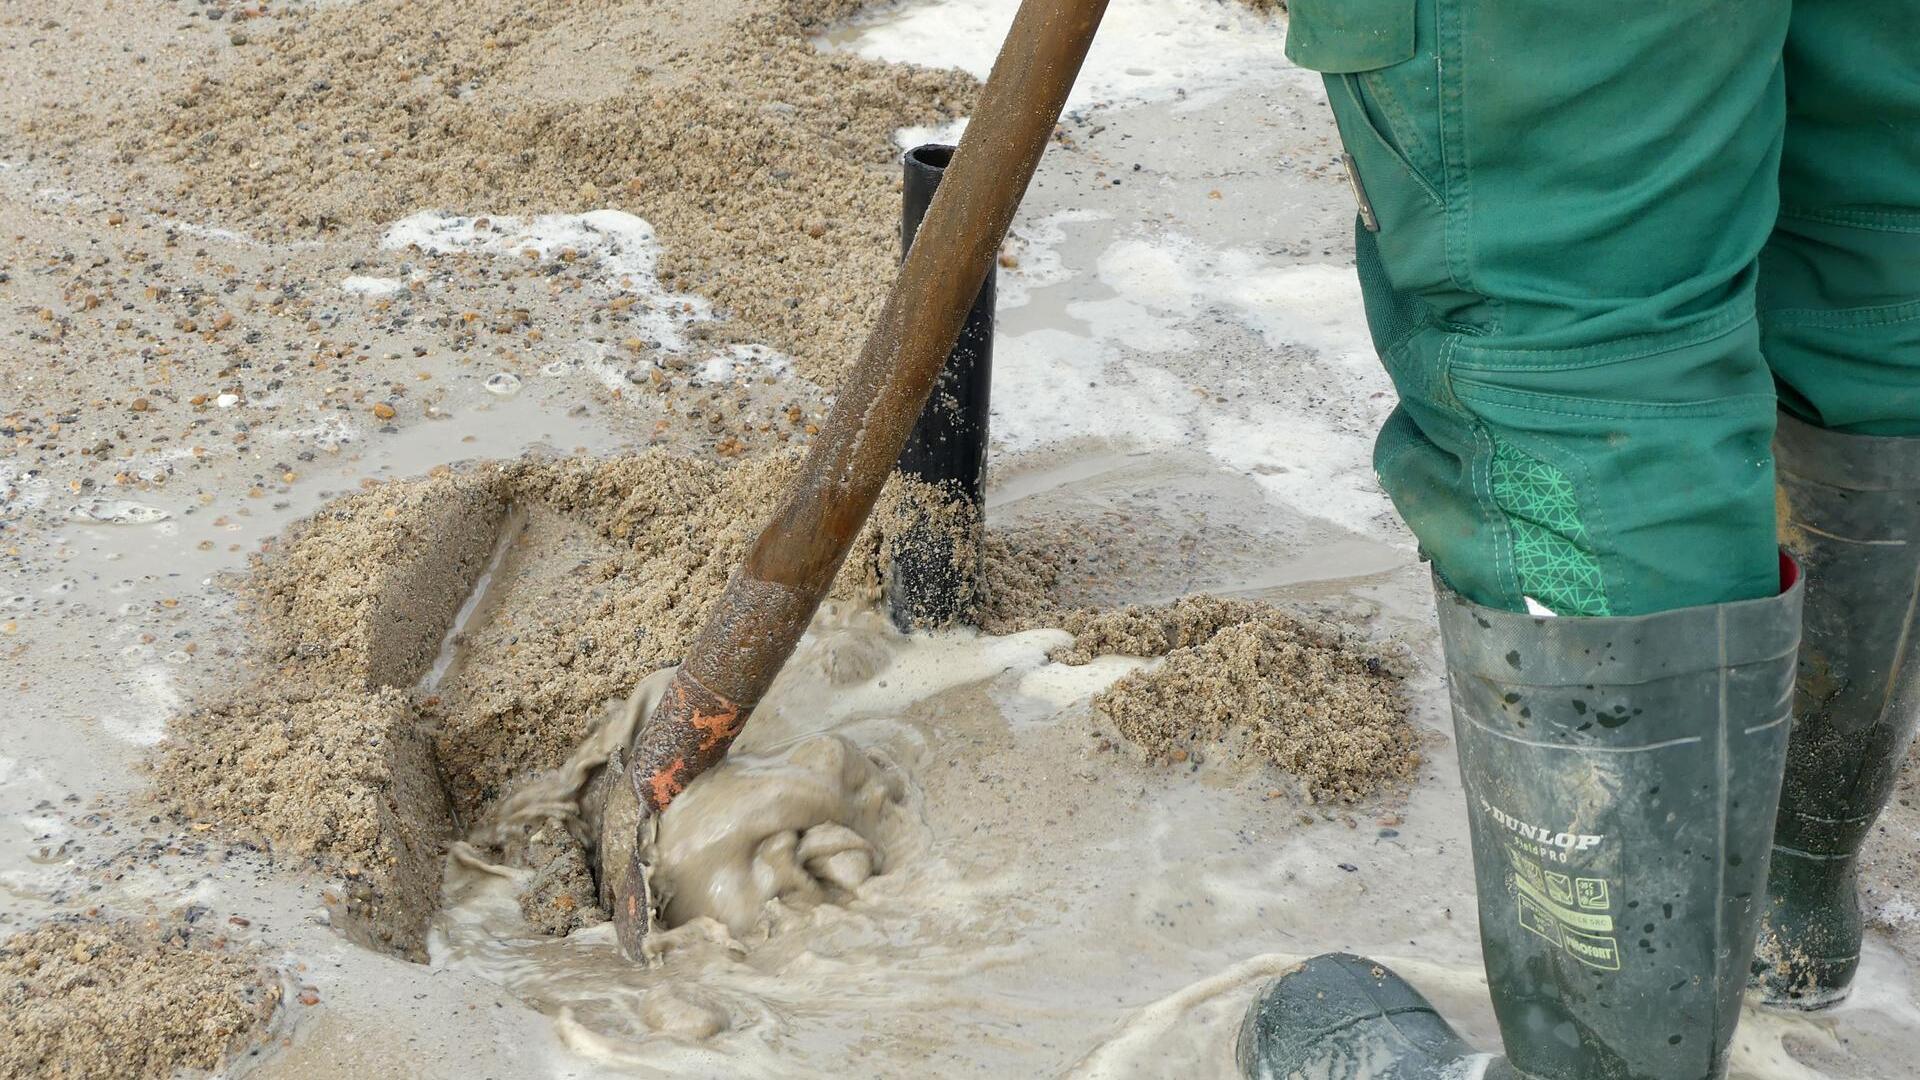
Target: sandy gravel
[(102, 998)]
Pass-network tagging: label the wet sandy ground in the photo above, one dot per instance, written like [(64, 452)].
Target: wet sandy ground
[(1054, 912)]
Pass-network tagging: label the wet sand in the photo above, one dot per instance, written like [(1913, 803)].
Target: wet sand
[(206, 351)]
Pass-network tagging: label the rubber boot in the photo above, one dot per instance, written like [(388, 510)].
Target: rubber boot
[(1850, 513), (1622, 777)]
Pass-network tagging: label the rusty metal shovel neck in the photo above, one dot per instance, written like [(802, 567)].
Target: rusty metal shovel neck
[(773, 595)]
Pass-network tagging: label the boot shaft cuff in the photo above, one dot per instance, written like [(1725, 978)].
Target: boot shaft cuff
[(1848, 462), (1531, 650)]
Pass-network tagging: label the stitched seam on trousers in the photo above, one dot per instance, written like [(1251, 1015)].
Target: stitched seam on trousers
[(1505, 570), (1428, 380), (1533, 401), (1457, 204), (1883, 315), (1400, 128), (1393, 459), (1620, 596), (1351, 84), (1442, 389), (1901, 221), (1480, 484), (1601, 355)]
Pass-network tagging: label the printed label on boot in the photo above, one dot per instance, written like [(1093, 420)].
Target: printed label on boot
[(1564, 886)]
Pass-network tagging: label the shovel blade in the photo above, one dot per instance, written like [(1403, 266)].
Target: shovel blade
[(618, 857), (633, 909)]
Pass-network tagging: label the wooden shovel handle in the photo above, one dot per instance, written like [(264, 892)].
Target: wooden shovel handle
[(773, 595)]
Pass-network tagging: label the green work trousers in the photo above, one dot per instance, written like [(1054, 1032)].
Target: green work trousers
[(1600, 244)]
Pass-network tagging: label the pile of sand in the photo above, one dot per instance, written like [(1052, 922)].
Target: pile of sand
[(1246, 676), (767, 167), (343, 777), (1239, 675), (115, 999), (339, 753)]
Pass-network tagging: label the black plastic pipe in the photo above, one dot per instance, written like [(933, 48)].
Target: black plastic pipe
[(935, 573)]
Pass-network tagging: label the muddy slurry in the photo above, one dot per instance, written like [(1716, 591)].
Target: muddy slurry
[(450, 664)]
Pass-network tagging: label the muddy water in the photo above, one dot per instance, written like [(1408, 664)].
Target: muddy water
[(1189, 525), (1022, 902)]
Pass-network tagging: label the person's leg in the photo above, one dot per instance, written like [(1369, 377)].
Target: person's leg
[(1569, 199), (1840, 276), (1840, 324), (1562, 207)]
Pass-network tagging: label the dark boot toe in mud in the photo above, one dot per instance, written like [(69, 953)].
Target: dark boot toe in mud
[(1344, 1016), (1809, 946)]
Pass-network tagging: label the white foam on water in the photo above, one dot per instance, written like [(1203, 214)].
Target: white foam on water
[(918, 667), (1051, 386), (624, 247), (913, 135), (1297, 413), (214, 232), (230, 236), (1147, 50), (21, 490), (371, 286), (1307, 463), (1882, 1012), (1062, 686), (116, 512), (330, 430), (608, 364), (1035, 250), (746, 362), (1898, 911), (152, 698), (41, 832)]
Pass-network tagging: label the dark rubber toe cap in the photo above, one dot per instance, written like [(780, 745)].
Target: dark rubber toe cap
[(1339, 1016), (1809, 947)]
